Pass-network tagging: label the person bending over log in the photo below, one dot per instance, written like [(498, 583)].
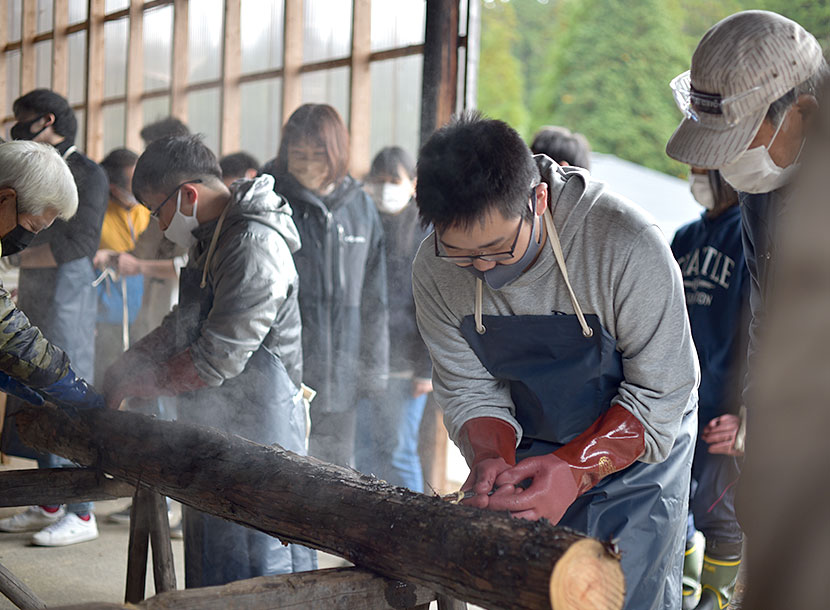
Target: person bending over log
[(586, 419), (231, 351)]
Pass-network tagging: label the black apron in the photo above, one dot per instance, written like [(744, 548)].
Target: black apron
[(561, 381), (261, 404)]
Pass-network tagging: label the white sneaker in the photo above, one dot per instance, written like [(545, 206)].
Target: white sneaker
[(30, 520), (69, 530)]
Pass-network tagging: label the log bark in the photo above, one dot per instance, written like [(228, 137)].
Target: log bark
[(31, 487), (479, 556)]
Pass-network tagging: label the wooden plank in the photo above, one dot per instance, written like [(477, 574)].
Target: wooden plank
[(292, 92), (135, 77), (27, 48), (95, 81), (360, 104), (50, 486), (137, 549), (16, 591), (479, 556), (60, 48), (333, 589), (440, 78), (178, 93), (164, 570), (231, 69)]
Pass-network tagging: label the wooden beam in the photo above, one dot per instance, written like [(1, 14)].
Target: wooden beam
[(178, 94), (27, 48), (440, 78), (292, 88), (360, 103), (231, 69), (50, 486), (60, 48), (95, 80), (480, 556), (135, 77), (333, 589), (17, 592)]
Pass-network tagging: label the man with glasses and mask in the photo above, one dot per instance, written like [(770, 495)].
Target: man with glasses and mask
[(36, 188), (231, 352), (555, 317)]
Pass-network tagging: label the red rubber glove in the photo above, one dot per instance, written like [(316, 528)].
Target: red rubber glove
[(176, 375), (489, 446), (613, 442)]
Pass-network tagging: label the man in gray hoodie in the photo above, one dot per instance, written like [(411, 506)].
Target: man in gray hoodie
[(231, 351), (555, 317)]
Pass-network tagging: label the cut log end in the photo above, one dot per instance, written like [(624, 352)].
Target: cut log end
[(587, 577)]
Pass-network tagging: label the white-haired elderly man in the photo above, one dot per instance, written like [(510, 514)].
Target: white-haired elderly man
[(36, 187), (749, 100)]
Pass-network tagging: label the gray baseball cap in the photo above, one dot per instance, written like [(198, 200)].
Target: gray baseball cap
[(741, 65)]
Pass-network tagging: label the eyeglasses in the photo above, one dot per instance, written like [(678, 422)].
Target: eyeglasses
[(155, 213)]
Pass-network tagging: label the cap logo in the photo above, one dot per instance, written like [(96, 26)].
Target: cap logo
[(710, 103)]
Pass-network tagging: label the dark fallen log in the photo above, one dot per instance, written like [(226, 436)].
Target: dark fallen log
[(46, 486), (478, 556)]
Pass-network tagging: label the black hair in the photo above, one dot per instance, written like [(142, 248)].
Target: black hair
[(45, 101), (236, 164), (115, 163), (471, 166), (562, 144), (723, 191), (168, 127), (168, 162), (389, 161)]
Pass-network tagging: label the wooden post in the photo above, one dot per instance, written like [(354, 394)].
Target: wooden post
[(292, 92), (149, 524), (178, 86), (27, 48), (4, 84), (60, 48), (483, 557), (137, 549), (360, 104), (231, 69), (135, 76), (440, 79), (19, 594), (95, 81)]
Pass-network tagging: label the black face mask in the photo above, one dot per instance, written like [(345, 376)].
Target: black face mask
[(16, 240), (23, 130)]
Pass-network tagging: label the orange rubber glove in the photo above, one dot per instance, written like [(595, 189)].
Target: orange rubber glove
[(489, 446)]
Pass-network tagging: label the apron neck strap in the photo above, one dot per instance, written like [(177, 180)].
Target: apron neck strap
[(213, 241), (68, 152), (556, 246)]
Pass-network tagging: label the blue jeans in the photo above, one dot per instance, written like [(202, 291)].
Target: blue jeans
[(387, 436)]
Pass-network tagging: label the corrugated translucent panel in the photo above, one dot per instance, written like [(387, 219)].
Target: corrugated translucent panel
[(76, 49), (155, 108), (397, 24), (203, 115), (327, 32), (77, 11), (116, 37), (44, 15), (12, 79), (260, 118), (463, 8), (396, 103), (111, 6), (43, 64), (328, 87), (14, 13), (261, 29), (204, 40), (158, 47), (80, 138), (114, 122)]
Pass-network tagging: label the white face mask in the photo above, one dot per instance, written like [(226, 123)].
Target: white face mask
[(180, 230), (702, 190), (754, 171), (391, 198)]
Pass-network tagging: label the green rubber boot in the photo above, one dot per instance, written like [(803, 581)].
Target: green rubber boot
[(718, 581), (692, 566)]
